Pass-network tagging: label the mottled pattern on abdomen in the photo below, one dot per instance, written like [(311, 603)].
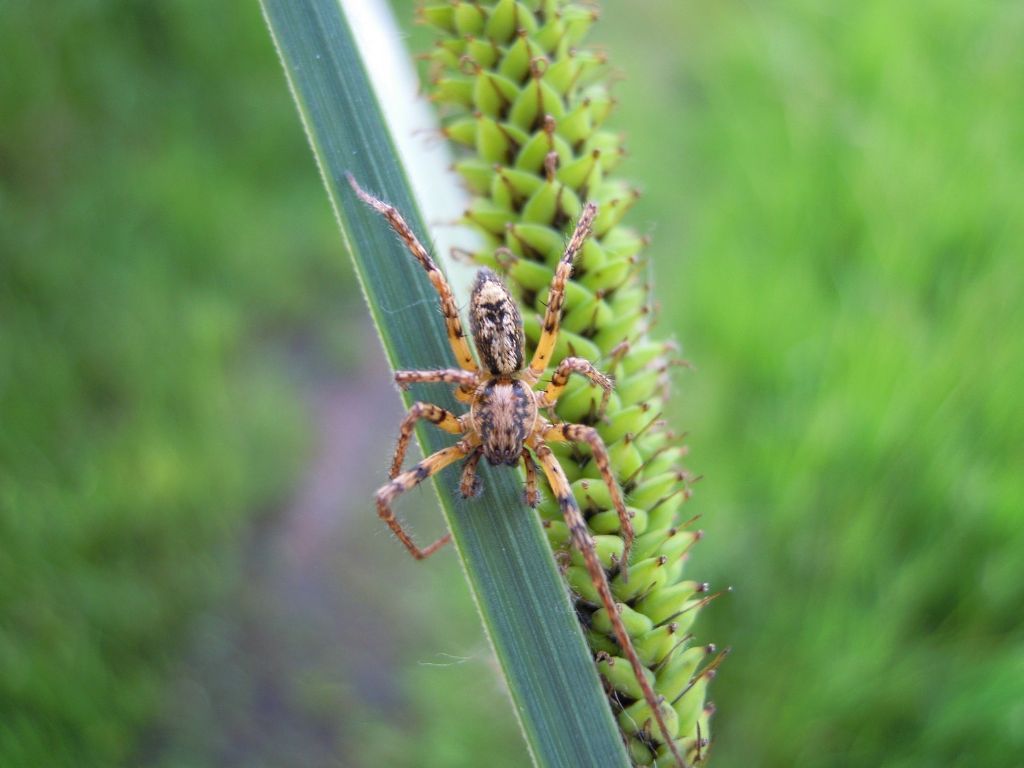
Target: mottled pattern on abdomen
[(496, 324)]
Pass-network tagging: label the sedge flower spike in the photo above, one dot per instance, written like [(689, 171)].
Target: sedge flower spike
[(527, 102)]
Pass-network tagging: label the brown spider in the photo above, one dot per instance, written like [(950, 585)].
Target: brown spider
[(504, 422)]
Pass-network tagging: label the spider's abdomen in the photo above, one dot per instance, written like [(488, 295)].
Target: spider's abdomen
[(496, 324), (504, 414)]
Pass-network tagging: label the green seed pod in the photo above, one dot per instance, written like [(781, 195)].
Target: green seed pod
[(574, 344), (640, 386), (667, 459), (587, 314), (482, 53), (592, 257), (488, 216), (493, 143), (691, 705), (650, 543), (704, 723), (536, 100), (639, 753), (543, 205), (469, 19), (583, 171), (454, 90), (677, 542), (636, 623), (462, 131), (677, 674), (608, 547), (637, 717), (502, 23), (479, 175), (580, 403), (657, 644), (687, 747), (592, 494), (619, 674), (601, 643), (530, 274), (514, 186), (626, 421), (536, 242), (581, 583), (665, 603), (607, 521), (527, 102), (441, 16), (688, 614), (609, 277), (664, 512), (518, 56), (557, 532), (649, 492), (626, 457), (645, 577)]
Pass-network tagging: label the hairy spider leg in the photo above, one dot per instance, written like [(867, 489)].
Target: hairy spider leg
[(531, 496), (560, 379), (467, 380), (386, 496), (579, 433), (470, 484), (583, 541), (556, 294), (453, 325), (443, 375), (435, 414)]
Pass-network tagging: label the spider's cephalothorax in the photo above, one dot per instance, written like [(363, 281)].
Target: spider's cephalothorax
[(504, 414), (504, 422)]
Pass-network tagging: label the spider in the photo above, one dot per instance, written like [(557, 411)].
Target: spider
[(504, 423)]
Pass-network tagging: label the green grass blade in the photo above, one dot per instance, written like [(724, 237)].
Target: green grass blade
[(521, 598)]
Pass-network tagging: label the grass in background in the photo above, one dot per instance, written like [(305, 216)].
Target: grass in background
[(164, 240), (837, 211)]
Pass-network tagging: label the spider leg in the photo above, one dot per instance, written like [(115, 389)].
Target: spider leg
[(530, 495), (565, 369), (470, 485), (453, 325), (386, 495), (435, 414), (556, 295), (583, 541), (444, 375), (467, 380), (578, 433)]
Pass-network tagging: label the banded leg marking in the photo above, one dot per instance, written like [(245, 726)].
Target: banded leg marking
[(560, 379), (410, 479), (470, 485), (578, 433), (530, 495), (435, 414), (465, 379), (556, 295), (453, 325), (583, 541)]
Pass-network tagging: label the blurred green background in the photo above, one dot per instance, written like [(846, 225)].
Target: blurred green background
[(192, 416)]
